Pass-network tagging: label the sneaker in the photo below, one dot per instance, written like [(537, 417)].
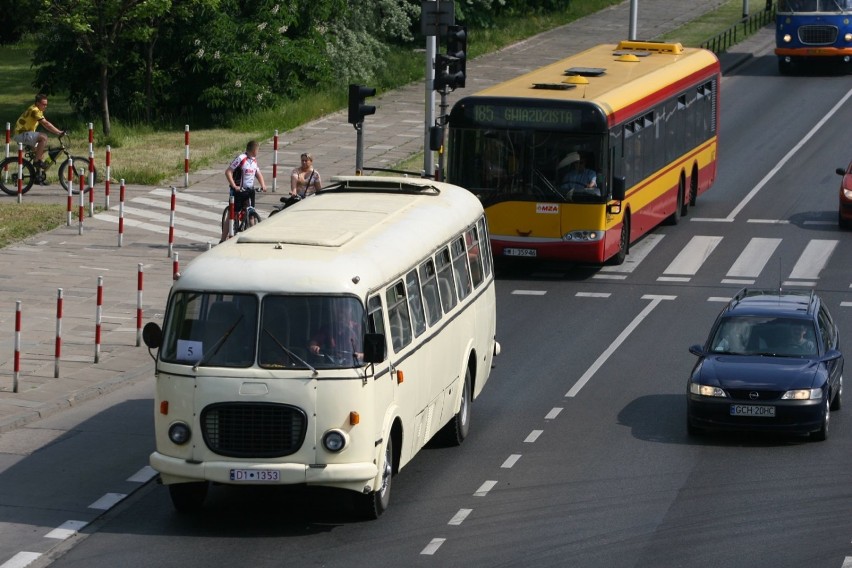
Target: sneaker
[(40, 164)]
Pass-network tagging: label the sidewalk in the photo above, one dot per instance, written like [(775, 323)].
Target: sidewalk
[(32, 271)]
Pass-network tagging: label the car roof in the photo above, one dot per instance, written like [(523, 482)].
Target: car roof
[(775, 302)]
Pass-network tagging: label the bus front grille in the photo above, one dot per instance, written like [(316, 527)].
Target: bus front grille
[(818, 35), (253, 430)]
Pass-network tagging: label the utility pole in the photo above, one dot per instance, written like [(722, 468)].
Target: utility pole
[(634, 16)]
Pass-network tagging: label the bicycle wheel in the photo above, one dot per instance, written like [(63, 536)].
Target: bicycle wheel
[(81, 167), (9, 176), (252, 218)]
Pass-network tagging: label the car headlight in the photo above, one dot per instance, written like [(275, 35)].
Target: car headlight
[(847, 193), (707, 390), (803, 394), (179, 433), (334, 440), (584, 236), (787, 38)]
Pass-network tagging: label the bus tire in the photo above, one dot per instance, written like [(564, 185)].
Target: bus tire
[(693, 189), (371, 505), (188, 498), (785, 67), (623, 243), (674, 218), (458, 428)]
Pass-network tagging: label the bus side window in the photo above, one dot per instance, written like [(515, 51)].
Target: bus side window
[(415, 302), (460, 268), (400, 322), (486, 248), (445, 279), (474, 255), (430, 292)]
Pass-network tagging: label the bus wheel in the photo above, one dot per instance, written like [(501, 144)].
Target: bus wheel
[(624, 243), (188, 497), (371, 505), (458, 428), (674, 218), (693, 189), (785, 67)]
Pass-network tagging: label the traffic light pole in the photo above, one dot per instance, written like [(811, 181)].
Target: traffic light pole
[(359, 149), (442, 123)]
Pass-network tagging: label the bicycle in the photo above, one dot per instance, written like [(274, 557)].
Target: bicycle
[(244, 218), (9, 168)]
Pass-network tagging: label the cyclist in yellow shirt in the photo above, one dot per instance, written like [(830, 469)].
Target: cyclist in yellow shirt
[(27, 125)]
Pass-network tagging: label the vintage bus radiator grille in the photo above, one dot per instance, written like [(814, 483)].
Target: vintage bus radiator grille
[(253, 430), (818, 35)]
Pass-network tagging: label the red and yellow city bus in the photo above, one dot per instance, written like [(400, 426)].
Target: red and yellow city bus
[(576, 160)]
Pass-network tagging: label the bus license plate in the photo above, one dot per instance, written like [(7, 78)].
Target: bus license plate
[(255, 475), (519, 252), (753, 410)]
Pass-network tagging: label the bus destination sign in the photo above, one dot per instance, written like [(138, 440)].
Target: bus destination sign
[(524, 117)]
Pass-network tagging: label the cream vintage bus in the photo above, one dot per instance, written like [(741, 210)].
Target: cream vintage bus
[(326, 345)]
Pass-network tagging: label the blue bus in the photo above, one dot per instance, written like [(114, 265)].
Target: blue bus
[(813, 30)]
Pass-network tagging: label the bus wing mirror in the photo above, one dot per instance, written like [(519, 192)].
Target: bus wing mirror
[(152, 335), (619, 188), (375, 348)]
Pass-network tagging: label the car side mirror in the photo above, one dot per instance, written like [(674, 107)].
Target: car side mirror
[(697, 350), (831, 355)]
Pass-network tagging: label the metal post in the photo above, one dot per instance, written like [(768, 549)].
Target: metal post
[(359, 149), (634, 17)]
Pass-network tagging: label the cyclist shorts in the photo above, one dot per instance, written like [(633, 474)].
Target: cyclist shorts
[(240, 198), (29, 138)]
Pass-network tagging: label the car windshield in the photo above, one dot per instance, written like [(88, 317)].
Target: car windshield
[(750, 335)]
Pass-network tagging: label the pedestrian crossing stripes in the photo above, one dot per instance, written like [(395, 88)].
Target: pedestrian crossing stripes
[(751, 262)]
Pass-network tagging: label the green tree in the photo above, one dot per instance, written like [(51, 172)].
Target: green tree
[(95, 30)]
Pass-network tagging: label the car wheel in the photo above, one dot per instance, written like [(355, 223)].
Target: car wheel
[(822, 434), (838, 402), (691, 429), (841, 222)]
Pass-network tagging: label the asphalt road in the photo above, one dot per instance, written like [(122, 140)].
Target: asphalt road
[(578, 454)]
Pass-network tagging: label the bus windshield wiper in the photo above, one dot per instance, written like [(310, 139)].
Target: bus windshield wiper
[(219, 343), (290, 353)]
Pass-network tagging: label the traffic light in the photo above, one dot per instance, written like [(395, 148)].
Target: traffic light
[(357, 109), (457, 52)]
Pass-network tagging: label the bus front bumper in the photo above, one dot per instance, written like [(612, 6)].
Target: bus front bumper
[(176, 470), (813, 51)]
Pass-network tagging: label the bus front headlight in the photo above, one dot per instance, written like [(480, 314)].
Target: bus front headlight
[(584, 236), (179, 433), (787, 38), (848, 37), (335, 440)]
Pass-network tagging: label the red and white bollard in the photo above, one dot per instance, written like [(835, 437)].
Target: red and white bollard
[(91, 138), (82, 204), (106, 179), (275, 162), (20, 172), (139, 306), (91, 183), (186, 156), (121, 214), (175, 267), (58, 351), (70, 205), (230, 216), (17, 370), (98, 318), (172, 222)]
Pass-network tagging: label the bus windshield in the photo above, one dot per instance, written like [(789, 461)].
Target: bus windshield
[(496, 164), (785, 6), (295, 332)]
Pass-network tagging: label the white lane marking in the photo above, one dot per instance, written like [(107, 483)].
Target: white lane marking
[(433, 546), (693, 255), (529, 292), (107, 501), (485, 488), (220, 203), (655, 300), (533, 436), (164, 230), (511, 461), (846, 304), (847, 562), (610, 276), (593, 294), (753, 259), (813, 259), (66, 530), (740, 281), (215, 223), (673, 279), (638, 253), (553, 413), (143, 475), (459, 517), (798, 283), (769, 221), (21, 559), (180, 210), (718, 299), (787, 157)]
